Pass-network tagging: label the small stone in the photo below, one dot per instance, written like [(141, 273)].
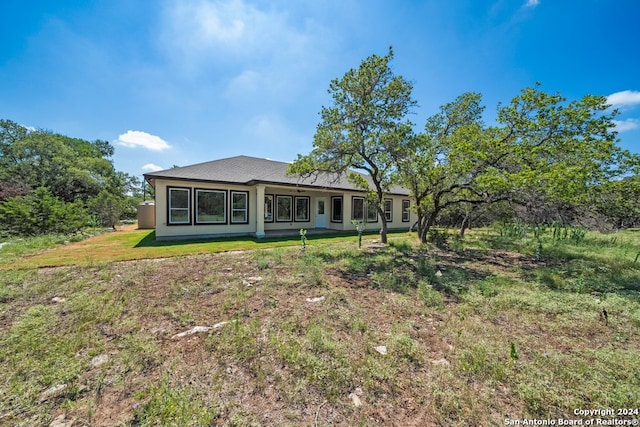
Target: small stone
[(438, 273), (99, 360), (228, 269), (61, 421), (441, 362), (316, 299), (58, 299), (197, 329), (52, 392), (381, 349), (355, 399), (254, 279)]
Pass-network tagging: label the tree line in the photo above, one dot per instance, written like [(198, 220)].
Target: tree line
[(51, 183), (544, 160)]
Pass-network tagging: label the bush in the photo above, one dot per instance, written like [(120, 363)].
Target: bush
[(107, 208), (41, 213)]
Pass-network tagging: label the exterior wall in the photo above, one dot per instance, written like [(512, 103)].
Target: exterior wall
[(313, 197), (164, 230), (396, 222)]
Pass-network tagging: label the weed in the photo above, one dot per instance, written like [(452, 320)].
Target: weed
[(429, 296), (514, 351), (170, 404)]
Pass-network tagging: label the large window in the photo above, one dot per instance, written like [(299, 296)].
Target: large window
[(357, 208), (388, 209), (336, 209), (179, 205), (301, 209), (284, 211), (211, 206), (406, 213), (361, 207), (268, 208), (239, 207), (372, 212)]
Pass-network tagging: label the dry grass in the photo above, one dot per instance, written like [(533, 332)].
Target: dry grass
[(282, 360)]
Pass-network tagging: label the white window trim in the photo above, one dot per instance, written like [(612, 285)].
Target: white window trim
[(353, 208), (406, 211), (388, 213), (206, 190), (245, 210), (307, 218), (291, 208), (172, 209)]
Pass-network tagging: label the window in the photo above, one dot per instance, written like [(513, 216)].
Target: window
[(357, 208), (211, 207), (320, 207), (301, 209), (372, 212), (336, 209), (283, 208), (179, 205), (268, 208), (239, 207), (406, 213), (388, 209)]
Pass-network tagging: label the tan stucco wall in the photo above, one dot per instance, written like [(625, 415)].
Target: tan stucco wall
[(165, 231)]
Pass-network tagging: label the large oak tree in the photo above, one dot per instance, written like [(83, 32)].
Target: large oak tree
[(541, 144), (362, 129)]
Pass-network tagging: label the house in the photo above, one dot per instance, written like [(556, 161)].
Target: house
[(250, 196)]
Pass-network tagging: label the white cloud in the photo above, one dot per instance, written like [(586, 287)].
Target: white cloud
[(246, 83), (625, 125), (626, 98), (201, 32), (150, 167), (233, 27), (135, 138), (532, 3)]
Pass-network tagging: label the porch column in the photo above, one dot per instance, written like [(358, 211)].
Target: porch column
[(260, 210)]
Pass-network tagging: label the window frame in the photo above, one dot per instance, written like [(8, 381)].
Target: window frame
[(332, 218), (268, 207), (224, 204), (170, 208), (355, 199), (406, 209), (295, 208), (284, 197), (388, 214), (245, 210), (375, 211)]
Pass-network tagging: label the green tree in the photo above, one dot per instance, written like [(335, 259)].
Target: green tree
[(616, 203), (541, 144), (363, 128), (107, 207), (41, 213)]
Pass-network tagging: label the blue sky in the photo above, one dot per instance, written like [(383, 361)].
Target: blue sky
[(177, 82)]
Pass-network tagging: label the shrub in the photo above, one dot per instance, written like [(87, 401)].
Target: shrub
[(107, 207), (41, 213)]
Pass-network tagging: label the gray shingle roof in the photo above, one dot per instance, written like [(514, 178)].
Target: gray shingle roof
[(251, 170)]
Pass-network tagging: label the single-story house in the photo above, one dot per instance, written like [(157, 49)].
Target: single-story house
[(250, 196)]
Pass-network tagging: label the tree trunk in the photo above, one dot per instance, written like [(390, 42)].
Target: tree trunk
[(465, 223), (383, 231), (430, 220)]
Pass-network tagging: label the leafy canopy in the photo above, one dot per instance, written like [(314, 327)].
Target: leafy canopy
[(363, 128)]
